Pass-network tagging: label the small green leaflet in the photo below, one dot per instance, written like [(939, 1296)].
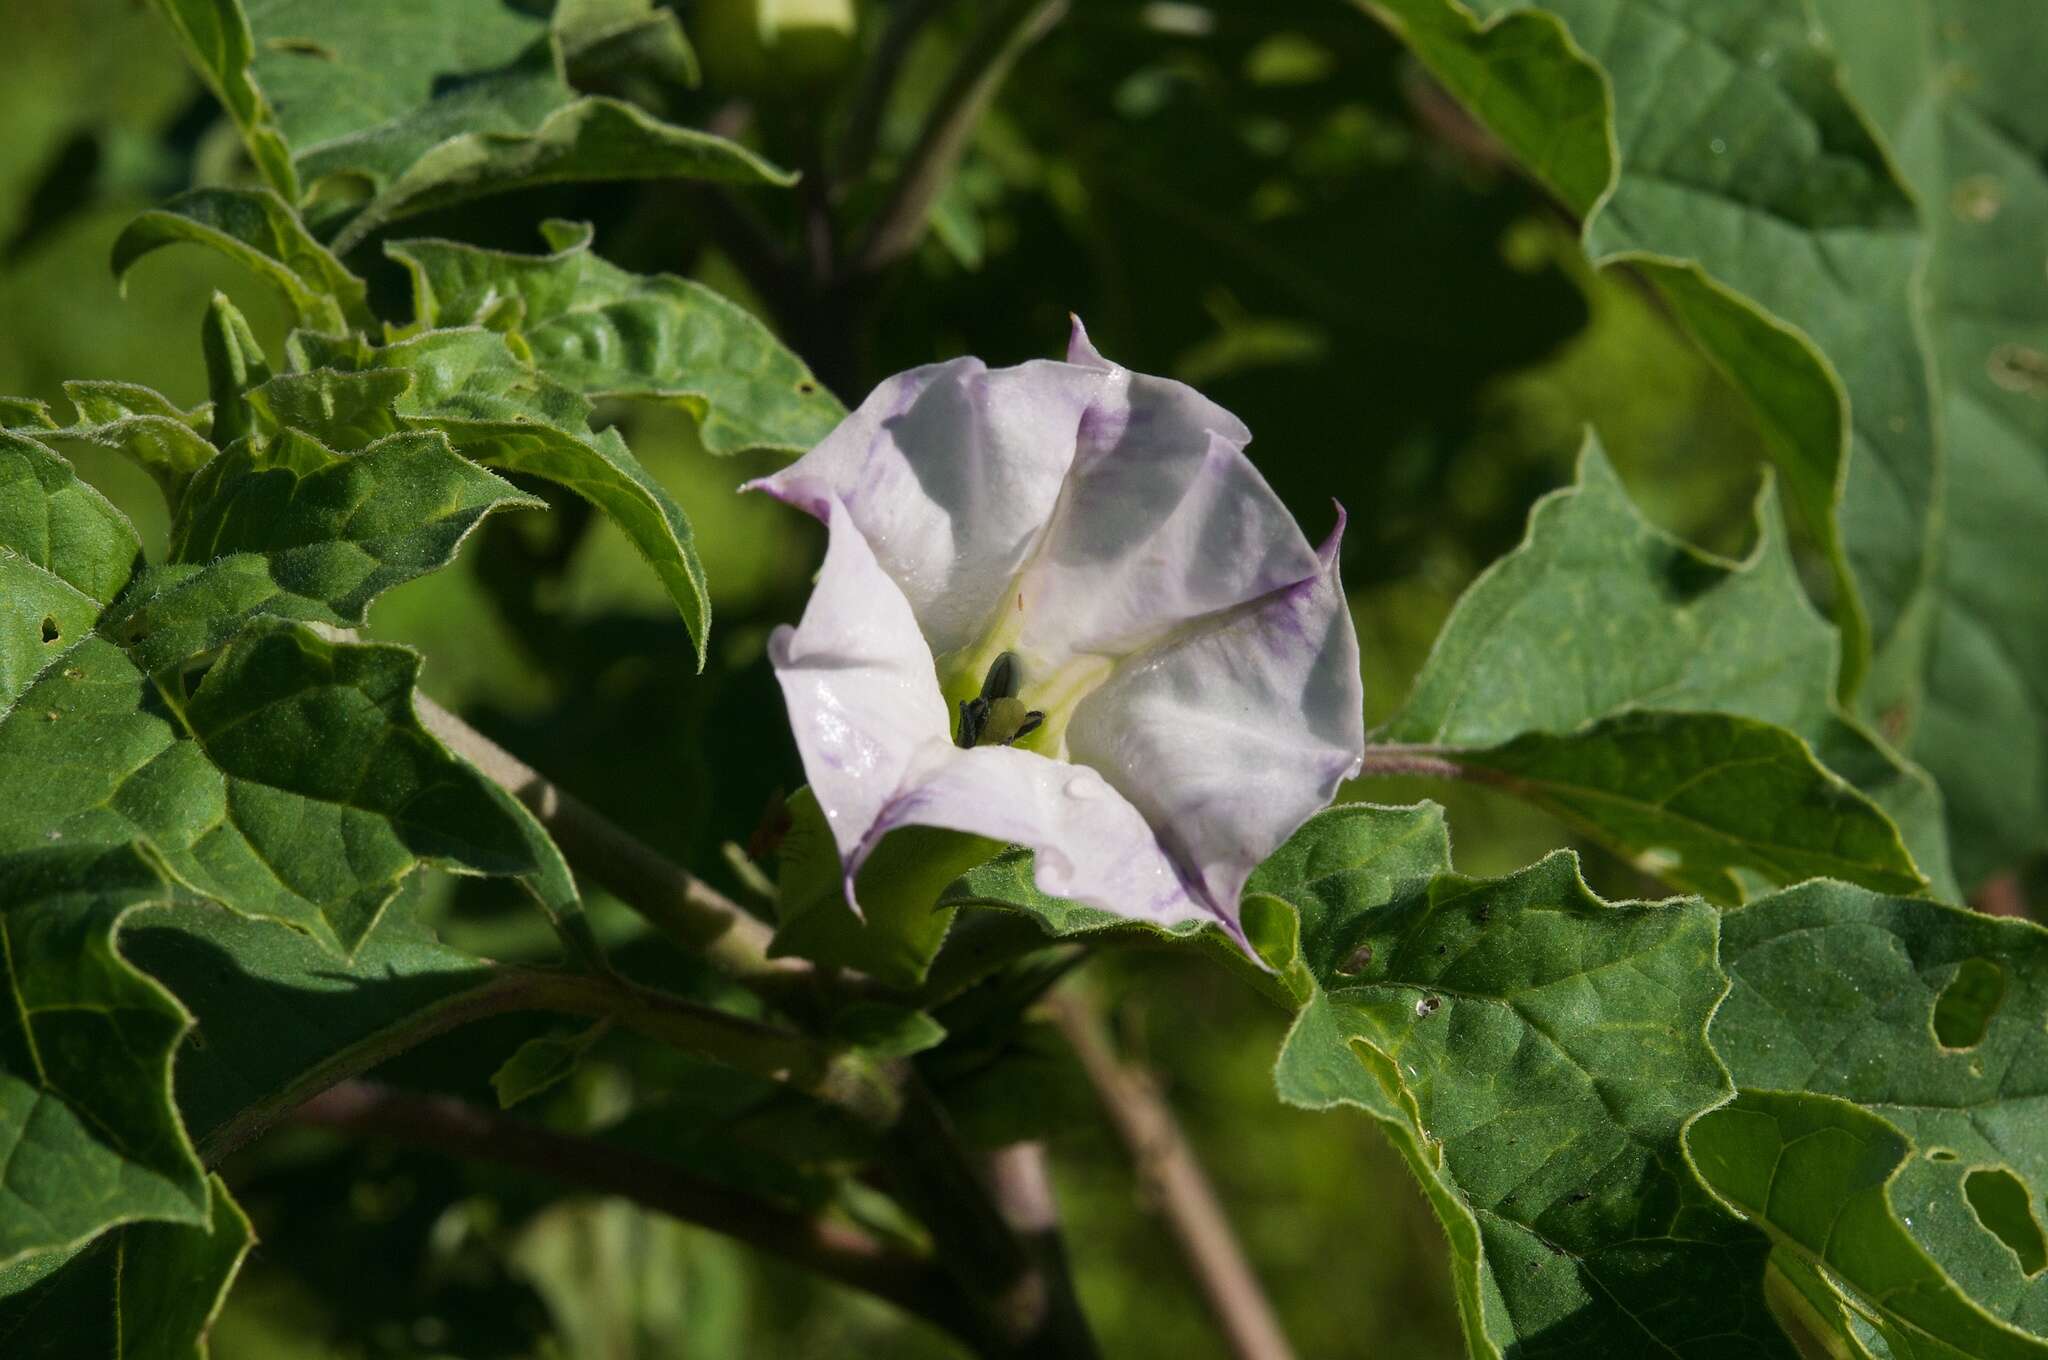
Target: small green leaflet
[(256, 228)]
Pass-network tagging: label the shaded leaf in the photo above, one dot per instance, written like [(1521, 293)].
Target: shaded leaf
[(88, 1132), (541, 1062), (255, 228), (596, 328), (150, 1292)]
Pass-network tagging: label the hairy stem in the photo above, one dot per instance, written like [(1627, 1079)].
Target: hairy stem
[(1427, 761), (1167, 1165), (982, 68), (833, 1250)]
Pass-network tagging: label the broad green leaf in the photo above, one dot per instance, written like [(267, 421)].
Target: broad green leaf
[(291, 780), (217, 41), (88, 1133), (1666, 701), (290, 528), (149, 1292), (540, 1063), (256, 228), (596, 328), (498, 409), (1746, 183), (1955, 86), (392, 108), (1929, 1018), (1822, 1177), (1535, 1054)]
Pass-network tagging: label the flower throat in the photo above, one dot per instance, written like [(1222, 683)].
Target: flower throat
[(996, 716)]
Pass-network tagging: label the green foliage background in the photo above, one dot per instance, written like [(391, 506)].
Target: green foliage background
[(1286, 210)]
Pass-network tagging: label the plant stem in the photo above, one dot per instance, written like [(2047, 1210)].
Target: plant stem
[(682, 905), (833, 1250), (980, 72), (856, 150), (1428, 761), (1023, 1312), (780, 1054), (1167, 1164)]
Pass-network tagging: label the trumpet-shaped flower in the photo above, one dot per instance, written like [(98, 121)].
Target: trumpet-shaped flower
[(1061, 608)]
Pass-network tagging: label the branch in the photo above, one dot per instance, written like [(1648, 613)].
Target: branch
[(856, 149), (684, 906), (450, 1126), (1166, 1163), (682, 1024), (982, 68)]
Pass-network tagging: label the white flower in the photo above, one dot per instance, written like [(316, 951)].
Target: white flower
[(1081, 558)]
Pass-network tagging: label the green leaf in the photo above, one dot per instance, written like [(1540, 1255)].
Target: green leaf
[(540, 1063), (292, 780), (902, 920), (497, 409), (293, 529), (1956, 93), (216, 38), (609, 38), (594, 327), (234, 364), (142, 425), (1822, 1177), (26, 413), (1928, 1018), (1699, 796), (88, 1132), (273, 1010), (1666, 701), (393, 109), (1750, 188), (1535, 1054), (150, 1292), (255, 228)]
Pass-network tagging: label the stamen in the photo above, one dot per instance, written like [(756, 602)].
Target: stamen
[(1032, 722)]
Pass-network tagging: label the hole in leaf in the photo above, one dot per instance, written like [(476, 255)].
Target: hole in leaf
[(51, 632), (1941, 1154), (806, 387), (2000, 1201), (1356, 962), (1963, 1011)]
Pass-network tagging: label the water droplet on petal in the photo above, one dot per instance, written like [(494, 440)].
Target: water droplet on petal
[(1084, 786)]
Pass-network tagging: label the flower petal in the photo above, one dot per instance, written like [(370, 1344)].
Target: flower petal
[(950, 472), (1229, 737), (1091, 845), (863, 698), (1163, 520)]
